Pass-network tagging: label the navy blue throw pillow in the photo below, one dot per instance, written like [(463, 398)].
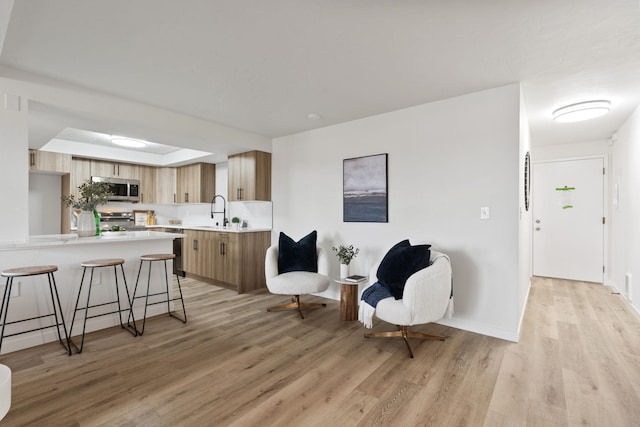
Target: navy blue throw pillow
[(400, 263), (297, 256)]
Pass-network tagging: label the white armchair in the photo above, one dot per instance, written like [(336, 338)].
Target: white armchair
[(296, 283), (425, 299)]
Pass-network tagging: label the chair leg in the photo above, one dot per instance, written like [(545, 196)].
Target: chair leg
[(295, 304), (405, 334)]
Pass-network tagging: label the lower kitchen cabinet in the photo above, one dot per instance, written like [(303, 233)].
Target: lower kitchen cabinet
[(232, 260)]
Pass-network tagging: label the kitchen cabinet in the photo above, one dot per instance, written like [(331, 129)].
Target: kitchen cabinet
[(196, 183), (231, 260), (114, 170), (249, 176), (48, 161), (166, 191), (147, 184)]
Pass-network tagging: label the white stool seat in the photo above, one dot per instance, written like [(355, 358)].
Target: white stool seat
[(5, 390)]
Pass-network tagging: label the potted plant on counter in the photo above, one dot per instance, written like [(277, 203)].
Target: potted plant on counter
[(91, 195), (236, 222), (345, 255)]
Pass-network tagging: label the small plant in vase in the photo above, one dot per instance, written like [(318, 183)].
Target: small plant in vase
[(91, 195), (236, 221), (345, 254)]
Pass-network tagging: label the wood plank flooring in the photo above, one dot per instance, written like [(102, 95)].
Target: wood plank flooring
[(235, 364)]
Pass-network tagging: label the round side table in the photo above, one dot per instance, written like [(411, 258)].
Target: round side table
[(349, 298)]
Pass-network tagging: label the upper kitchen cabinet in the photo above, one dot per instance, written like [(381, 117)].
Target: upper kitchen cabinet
[(80, 173), (47, 161), (114, 170), (166, 190), (147, 184), (196, 183), (250, 176)]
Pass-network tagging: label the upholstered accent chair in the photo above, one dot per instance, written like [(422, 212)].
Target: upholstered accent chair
[(426, 298), (296, 283)]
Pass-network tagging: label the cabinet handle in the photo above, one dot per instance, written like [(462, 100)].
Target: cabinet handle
[(223, 249), (238, 193), (195, 245), (174, 197), (32, 159), (186, 197)]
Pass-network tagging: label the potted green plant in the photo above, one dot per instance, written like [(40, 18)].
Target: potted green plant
[(91, 195), (236, 221), (345, 254)]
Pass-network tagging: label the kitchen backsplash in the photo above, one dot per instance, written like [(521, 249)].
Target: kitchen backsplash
[(256, 214)]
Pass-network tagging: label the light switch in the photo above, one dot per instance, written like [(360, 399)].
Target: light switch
[(485, 213)]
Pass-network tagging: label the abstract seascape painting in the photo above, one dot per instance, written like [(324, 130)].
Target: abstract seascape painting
[(365, 197)]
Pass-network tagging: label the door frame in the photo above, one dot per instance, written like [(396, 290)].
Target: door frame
[(605, 207)]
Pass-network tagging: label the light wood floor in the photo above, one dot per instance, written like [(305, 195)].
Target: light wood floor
[(578, 363)]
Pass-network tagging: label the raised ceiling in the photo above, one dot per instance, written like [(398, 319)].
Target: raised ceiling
[(263, 66)]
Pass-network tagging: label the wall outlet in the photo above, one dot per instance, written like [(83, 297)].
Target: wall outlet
[(485, 213)]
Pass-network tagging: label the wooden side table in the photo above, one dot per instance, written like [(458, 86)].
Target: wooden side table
[(349, 298)]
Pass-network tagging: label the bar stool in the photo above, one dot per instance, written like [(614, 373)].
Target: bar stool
[(93, 264), (12, 273), (151, 259)]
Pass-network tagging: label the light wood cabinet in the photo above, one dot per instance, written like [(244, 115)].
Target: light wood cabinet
[(249, 176), (166, 190), (80, 173), (196, 183), (114, 170), (232, 260), (147, 184), (48, 161)]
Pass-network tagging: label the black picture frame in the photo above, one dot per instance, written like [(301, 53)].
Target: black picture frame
[(365, 196)]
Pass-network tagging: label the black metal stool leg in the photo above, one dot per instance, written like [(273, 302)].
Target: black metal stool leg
[(75, 310), (5, 307), (133, 297), (133, 331), (54, 290), (184, 310)]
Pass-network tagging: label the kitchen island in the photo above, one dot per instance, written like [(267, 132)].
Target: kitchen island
[(67, 251)]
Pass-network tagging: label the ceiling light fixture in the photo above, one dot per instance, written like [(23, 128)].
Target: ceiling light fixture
[(313, 116), (581, 111), (128, 142)]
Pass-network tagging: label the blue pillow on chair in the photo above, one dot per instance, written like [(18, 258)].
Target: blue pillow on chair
[(297, 256), (402, 261)]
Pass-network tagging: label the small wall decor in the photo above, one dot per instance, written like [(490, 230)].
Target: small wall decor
[(527, 180), (365, 197)]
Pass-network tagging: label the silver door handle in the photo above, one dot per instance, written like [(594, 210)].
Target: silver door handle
[(537, 221), (537, 228)]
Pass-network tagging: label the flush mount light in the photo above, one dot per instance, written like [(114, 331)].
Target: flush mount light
[(313, 116), (128, 142), (581, 111)]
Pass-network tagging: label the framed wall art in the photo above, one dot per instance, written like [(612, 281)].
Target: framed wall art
[(365, 197)]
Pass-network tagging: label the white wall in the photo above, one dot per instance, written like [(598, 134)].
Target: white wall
[(625, 225), (525, 246), (44, 202), (14, 173), (446, 160)]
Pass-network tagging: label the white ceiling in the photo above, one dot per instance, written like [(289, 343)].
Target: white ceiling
[(263, 66)]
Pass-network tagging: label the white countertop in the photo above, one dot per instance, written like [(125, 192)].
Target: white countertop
[(72, 239), (231, 229)]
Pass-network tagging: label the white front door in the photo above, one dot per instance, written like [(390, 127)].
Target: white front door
[(568, 230)]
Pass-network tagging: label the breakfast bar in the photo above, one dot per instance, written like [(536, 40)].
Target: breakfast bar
[(67, 251)]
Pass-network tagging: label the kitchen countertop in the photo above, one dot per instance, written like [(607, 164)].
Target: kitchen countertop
[(209, 228), (50, 240)]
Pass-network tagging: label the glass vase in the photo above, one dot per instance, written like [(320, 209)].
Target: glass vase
[(96, 218), (86, 224)]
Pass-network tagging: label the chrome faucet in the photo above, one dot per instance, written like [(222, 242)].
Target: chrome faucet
[(225, 221)]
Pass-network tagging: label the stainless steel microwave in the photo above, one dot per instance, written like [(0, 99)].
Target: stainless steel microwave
[(124, 190)]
